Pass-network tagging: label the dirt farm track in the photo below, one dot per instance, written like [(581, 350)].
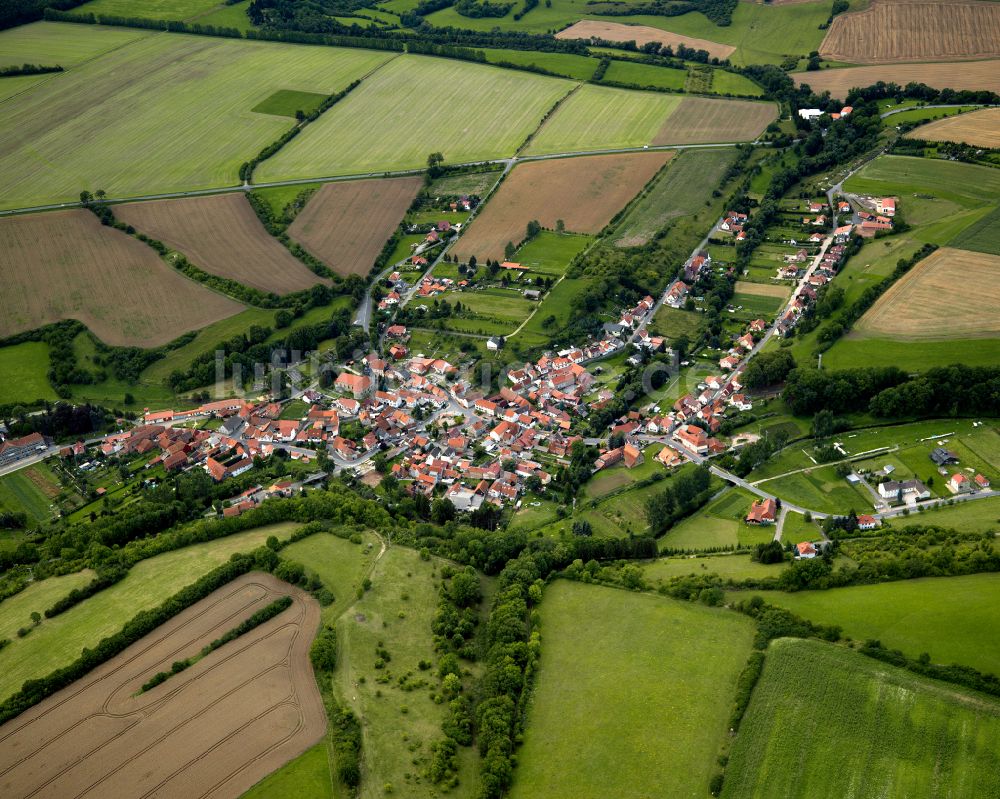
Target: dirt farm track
[(213, 730)]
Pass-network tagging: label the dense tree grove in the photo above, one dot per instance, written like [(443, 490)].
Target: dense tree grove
[(685, 493), (768, 369)]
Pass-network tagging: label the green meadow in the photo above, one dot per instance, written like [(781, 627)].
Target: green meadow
[(719, 524), (567, 65), (24, 367), (634, 704), (170, 10), (825, 723), (53, 43), (39, 596)]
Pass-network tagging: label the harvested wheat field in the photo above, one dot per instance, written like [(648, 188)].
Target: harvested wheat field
[(222, 235), (584, 192), (890, 31), (952, 294), (700, 120), (959, 75), (347, 224), (980, 129), (66, 265), (641, 34), (212, 730)]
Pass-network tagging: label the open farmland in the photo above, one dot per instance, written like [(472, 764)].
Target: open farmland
[(944, 616), (680, 190), (584, 192), (66, 265), (638, 705), (603, 118), (222, 235), (980, 129), (702, 120), (377, 127), (152, 9), (973, 75), (825, 723), (66, 45), (641, 34), (347, 224), (214, 729), (983, 236), (890, 31), (933, 301), (162, 113), (58, 641)]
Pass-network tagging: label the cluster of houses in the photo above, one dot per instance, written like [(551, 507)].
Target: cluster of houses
[(877, 216), (805, 295), (958, 483), (733, 223), (743, 345)]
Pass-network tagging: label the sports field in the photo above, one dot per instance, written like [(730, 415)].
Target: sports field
[(702, 120), (973, 75), (58, 641), (980, 129), (933, 300), (633, 704), (375, 129), (584, 192), (221, 234), (641, 34), (347, 224), (825, 723), (602, 118), (163, 113), (889, 32), (66, 265), (680, 190), (944, 616)]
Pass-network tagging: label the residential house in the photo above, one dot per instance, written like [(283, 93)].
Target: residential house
[(762, 512)]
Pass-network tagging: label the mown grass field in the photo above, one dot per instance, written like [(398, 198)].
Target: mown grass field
[(965, 184), (603, 118), (983, 236), (151, 9), (825, 723), (735, 567), (286, 103), (24, 368), (719, 524), (101, 124), (32, 490), (15, 611), (680, 190), (943, 616), (578, 67), (50, 43), (58, 641), (550, 253), (636, 706), (340, 564), (307, 777), (820, 489), (399, 723), (373, 130), (645, 75), (970, 517)]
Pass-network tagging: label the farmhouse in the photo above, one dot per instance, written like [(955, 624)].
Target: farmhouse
[(805, 551), (959, 484), (762, 512), (943, 457)]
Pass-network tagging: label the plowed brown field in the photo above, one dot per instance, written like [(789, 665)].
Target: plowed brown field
[(213, 730), (952, 294), (222, 235), (700, 120), (641, 34), (584, 192), (980, 129), (956, 75), (346, 224), (930, 30), (66, 265)]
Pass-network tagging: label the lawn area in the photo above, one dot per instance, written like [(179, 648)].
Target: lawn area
[(399, 722), (553, 314), (32, 490), (618, 476), (170, 10), (645, 75), (820, 489), (825, 723), (531, 517), (638, 705), (295, 409), (757, 304), (603, 118), (719, 524), (733, 567), (796, 529), (578, 67), (673, 322), (58, 641), (15, 611), (550, 253), (680, 190), (51, 43), (967, 517), (372, 130), (945, 616), (100, 125), (24, 368)]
